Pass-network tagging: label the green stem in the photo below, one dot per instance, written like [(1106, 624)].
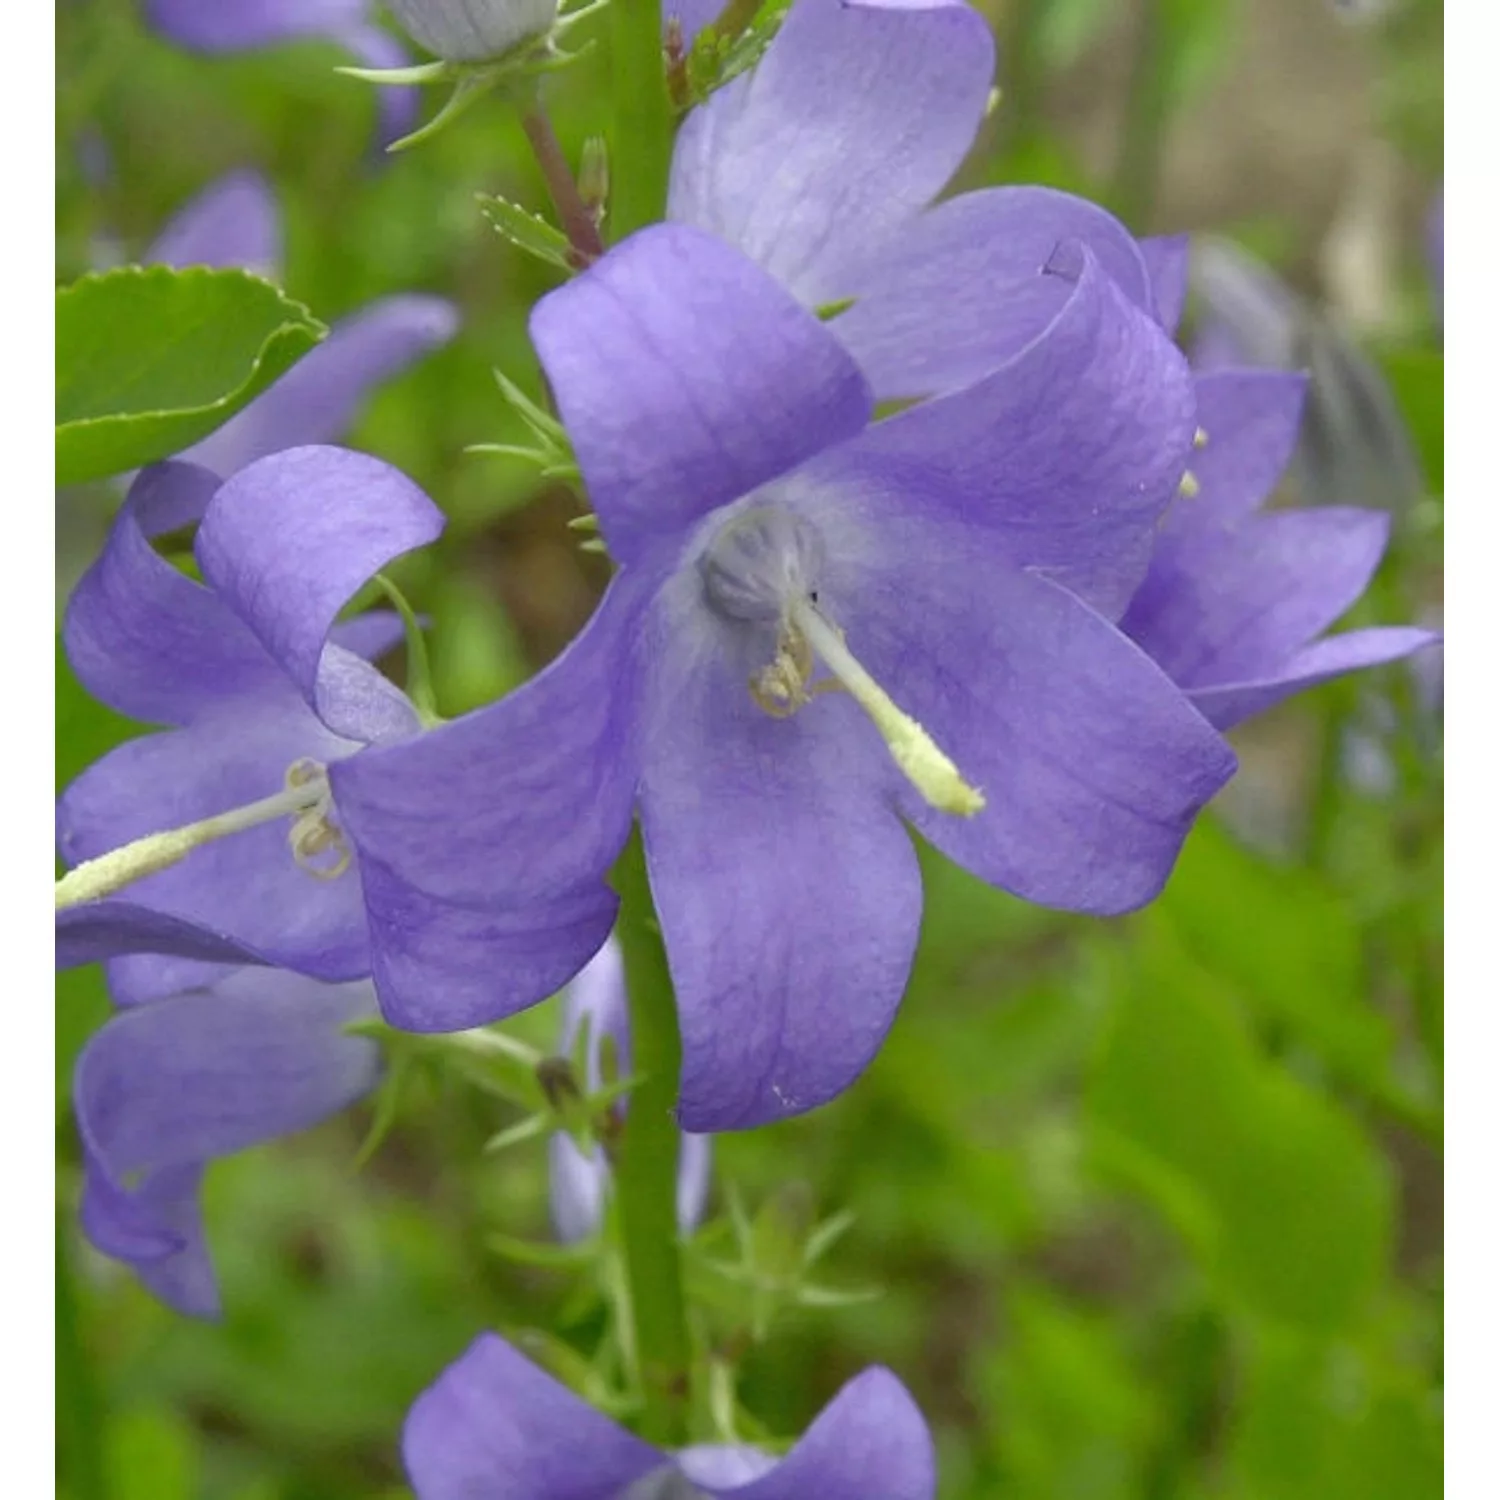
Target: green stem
[(80, 1408), (1138, 166), (641, 133), (646, 1167)]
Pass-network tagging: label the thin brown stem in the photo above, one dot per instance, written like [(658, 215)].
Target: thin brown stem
[(573, 213)]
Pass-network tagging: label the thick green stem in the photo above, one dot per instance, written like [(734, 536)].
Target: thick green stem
[(641, 127), (646, 1166)]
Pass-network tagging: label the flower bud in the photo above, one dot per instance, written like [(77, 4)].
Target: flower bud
[(474, 30)]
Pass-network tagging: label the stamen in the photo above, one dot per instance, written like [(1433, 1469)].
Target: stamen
[(1188, 485), (781, 688), (314, 833), (1200, 437), (926, 766)]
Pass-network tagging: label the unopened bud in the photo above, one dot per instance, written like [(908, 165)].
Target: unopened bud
[(474, 30)]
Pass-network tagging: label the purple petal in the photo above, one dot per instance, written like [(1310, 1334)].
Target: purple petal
[(371, 635), (485, 842), (136, 972), (239, 25), (962, 289), (245, 25), (1250, 420), (686, 377), (101, 929), (788, 892), (288, 541), (1092, 763), (1166, 258), (596, 995), (850, 124), (157, 1228), (232, 222), (317, 400), (1068, 455), (494, 1424), (576, 1182), (1233, 603), (245, 888), (142, 636), (1228, 704), (164, 1088), (869, 1440)]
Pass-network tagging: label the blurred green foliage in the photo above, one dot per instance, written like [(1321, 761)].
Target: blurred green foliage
[(1153, 1205)]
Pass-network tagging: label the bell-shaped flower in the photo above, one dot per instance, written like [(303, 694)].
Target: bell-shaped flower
[(221, 26), (263, 692), (495, 1424), (1237, 598), (579, 1178), (234, 222), (822, 161), (821, 630), (165, 1088), (473, 30)]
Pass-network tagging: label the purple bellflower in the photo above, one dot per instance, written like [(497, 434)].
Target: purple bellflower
[(219, 26), (579, 1178), (263, 691), (164, 1088), (1236, 599), (234, 222), (953, 572), (821, 163), (494, 1424)]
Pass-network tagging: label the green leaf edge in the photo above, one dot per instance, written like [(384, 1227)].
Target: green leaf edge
[(299, 320)]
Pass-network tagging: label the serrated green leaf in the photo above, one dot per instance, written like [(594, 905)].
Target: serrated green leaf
[(152, 359), (527, 231)]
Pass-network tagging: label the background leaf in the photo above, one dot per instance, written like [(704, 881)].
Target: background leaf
[(151, 359)]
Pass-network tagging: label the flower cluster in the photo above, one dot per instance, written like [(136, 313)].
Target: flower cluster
[(921, 522)]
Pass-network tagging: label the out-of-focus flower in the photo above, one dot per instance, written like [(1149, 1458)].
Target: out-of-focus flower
[(473, 30), (218, 26), (1354, 446), (167, 1087), (1237, 598), (579, 1179), (952, 571), (496, 1424), (821, 163), (264, 691), (234, 222)]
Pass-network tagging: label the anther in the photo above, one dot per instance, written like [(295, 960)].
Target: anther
[(1200, 437), (314, 833), (1188, 485)]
